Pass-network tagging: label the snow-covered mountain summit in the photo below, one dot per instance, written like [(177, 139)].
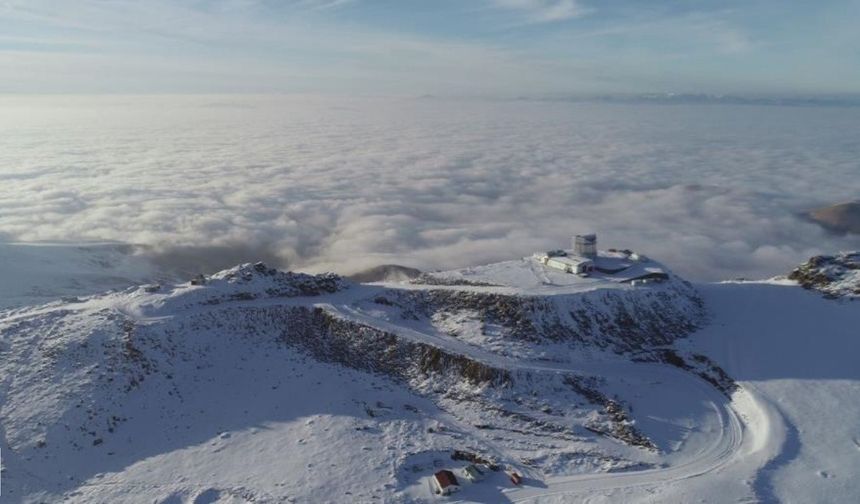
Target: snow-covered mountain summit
[(257, 385), (95, 375)]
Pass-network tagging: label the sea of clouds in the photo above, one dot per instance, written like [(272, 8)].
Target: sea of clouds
[(324, 183)]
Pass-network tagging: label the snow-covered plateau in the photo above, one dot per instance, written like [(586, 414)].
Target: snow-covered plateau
[(255, 385)]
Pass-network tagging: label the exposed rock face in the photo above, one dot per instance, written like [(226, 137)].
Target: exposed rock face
[(619, 320), (430, 279), (834, 276), (695, 363), (257, 281), (841, 218), (332, 339)]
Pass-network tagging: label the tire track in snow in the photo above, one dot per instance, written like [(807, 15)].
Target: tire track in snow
[(748, 427)]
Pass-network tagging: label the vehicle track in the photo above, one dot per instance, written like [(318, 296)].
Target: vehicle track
[(735, 439), (749, 426)]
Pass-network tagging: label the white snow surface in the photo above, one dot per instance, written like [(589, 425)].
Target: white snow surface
[(795, 356), (229, 414), (34, 273), (798, 353), (528, 276)]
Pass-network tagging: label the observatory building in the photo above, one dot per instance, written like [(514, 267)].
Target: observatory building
[(584, 260), (579, 262), (571, 264), (585, 245)]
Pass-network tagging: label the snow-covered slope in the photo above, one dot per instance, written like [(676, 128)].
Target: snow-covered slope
[(90, 379), (33, 273), (255, 385), (798, 352)]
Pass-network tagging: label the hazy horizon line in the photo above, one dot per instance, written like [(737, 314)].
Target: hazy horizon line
[(659, 97)]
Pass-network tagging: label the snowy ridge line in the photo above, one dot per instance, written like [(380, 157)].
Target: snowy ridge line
[(593, 313)]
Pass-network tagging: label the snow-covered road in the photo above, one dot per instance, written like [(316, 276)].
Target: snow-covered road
[(735, 438), (748, 430), (747, 435)]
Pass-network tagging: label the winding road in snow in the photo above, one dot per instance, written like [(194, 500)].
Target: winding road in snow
[(750, 429), (749, 434)]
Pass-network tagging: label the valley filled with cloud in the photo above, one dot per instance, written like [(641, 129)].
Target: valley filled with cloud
[(325, 183)]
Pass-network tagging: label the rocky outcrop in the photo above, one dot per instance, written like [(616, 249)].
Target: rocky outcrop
[(695, 363), (332, 339), (836, 276), (615, 319), (247, 282)]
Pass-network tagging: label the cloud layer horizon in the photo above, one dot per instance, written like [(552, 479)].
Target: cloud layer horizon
[(325, 183)]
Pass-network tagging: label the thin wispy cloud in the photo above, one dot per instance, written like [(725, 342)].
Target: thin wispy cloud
[(545, 11), (326, 4), (732, 41), (524, 47)]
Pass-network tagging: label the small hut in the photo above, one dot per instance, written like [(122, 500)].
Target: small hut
[(445, 483)]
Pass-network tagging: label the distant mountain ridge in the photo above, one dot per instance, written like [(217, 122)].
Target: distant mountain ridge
[(709, 99), (839, 218)]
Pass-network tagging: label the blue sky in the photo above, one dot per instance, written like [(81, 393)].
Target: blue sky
[(409, 47)]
